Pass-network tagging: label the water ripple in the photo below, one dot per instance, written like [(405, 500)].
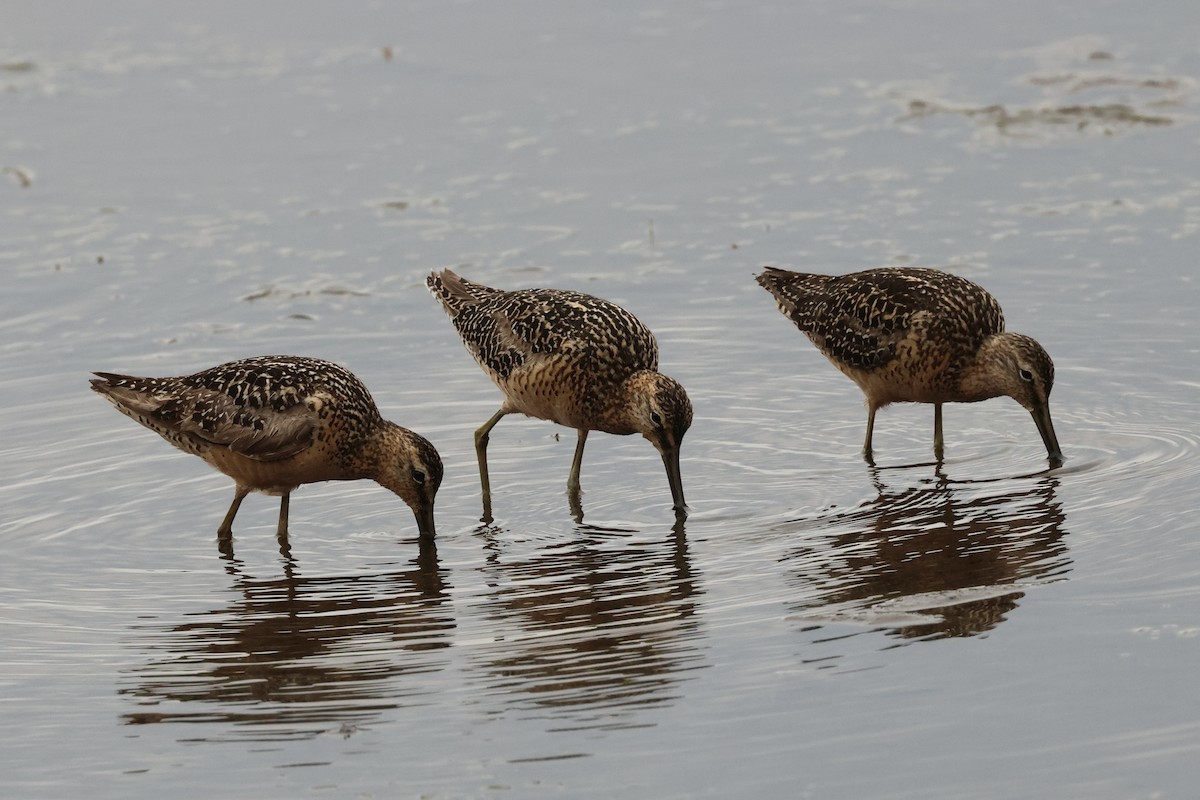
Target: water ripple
[(587, 631), (290, 656)]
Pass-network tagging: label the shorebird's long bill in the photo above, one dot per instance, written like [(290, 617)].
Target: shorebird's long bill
[(424, 517), (1041, 418), (670, 457)]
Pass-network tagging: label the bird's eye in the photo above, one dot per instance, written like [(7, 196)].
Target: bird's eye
[(656, 418), (1026, 375), (418, 477)]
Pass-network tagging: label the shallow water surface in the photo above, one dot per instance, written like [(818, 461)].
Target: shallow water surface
[(181, 188)]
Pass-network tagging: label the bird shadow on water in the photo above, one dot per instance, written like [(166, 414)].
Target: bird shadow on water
[(588, 630), (943, 558), (284, 659)]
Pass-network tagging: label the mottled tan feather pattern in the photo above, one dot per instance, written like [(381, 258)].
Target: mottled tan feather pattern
[(556, 355), (570, 358), (909, 334), (273, 423)]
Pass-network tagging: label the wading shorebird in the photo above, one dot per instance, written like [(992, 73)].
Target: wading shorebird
[(275, 422), (908, 334), (569, 358)]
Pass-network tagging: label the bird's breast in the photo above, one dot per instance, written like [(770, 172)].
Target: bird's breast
[(308, 466)]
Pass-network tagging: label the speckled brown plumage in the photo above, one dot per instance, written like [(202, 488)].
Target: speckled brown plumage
[(273, 423), (570, 358), (908, 334)]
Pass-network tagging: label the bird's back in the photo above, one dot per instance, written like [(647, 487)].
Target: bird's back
[(506, 330), (266, 408), (556, 354), (864, 320), (902, 334)]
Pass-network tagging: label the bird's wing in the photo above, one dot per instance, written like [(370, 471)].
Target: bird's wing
[(207, 415)]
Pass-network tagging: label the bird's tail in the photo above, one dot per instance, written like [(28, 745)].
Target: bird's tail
[(794, 292), (455, 292)]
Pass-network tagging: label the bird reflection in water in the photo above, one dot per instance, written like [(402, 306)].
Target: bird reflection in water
[(293, 656), (937, 560), (591, 630)]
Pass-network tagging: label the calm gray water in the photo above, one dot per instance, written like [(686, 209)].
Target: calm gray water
[(186, 185)]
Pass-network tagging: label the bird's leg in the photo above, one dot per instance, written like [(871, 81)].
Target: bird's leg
[(281, 530), (938, 444), (576, 463), (226, 529), (486, 518), (481, 443), (576, 505), (868, 456)]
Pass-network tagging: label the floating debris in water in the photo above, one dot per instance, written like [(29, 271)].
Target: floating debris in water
[(291, 294), (1080, 83), (1081, 116), (23, 178), (1073, 93)]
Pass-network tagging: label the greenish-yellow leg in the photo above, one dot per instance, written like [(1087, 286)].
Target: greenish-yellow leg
[(226, 529), (481, 443), (281, 530), (938, 444), (576, 463), (867, 454), (576, 504)]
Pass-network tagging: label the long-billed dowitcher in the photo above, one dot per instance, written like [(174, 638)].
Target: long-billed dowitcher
[(909, 334), (569, 358), (275, 422)]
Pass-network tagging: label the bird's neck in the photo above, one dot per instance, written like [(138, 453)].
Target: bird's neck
[(372, 452), (981, 378), (621, 408)]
